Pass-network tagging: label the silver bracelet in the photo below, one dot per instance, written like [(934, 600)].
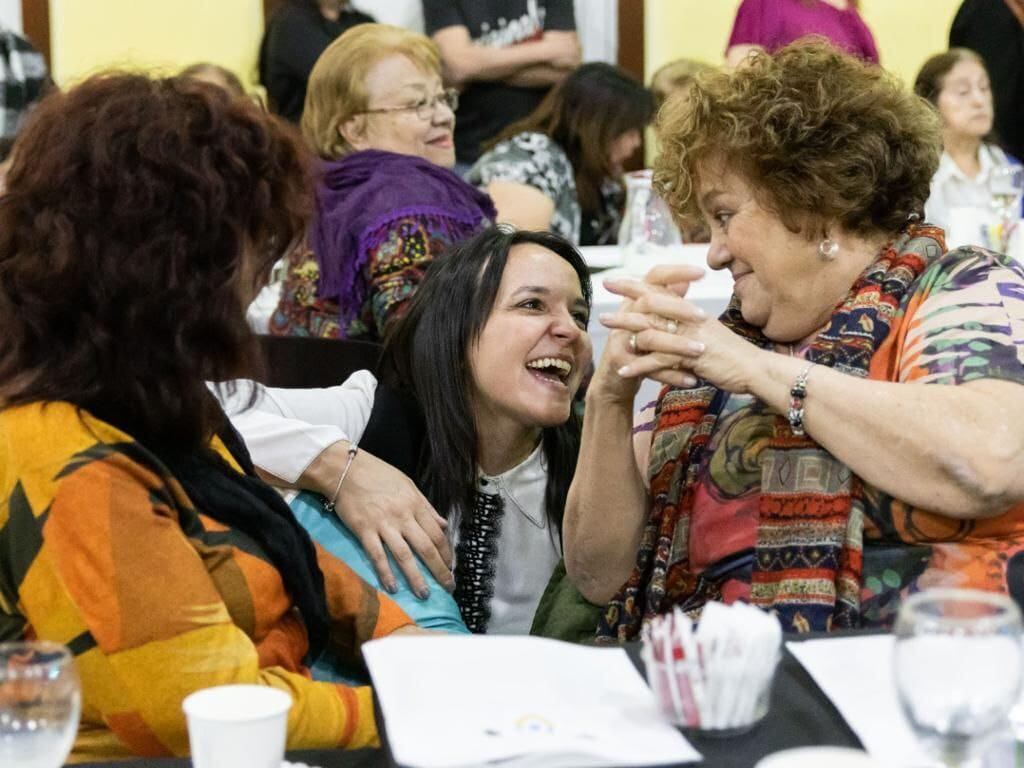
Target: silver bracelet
[(797, 393), (329, 505)]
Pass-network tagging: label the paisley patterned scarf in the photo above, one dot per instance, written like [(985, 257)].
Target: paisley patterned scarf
[(807, 557)]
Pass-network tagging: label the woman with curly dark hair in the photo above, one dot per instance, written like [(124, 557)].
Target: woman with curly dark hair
[(139, 218), (852, 428)]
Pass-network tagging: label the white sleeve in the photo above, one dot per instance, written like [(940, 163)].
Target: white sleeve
[(286, 429), (263, 306)]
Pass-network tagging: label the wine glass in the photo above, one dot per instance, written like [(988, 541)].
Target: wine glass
[(1006, 186), (957, 665), (40, 704), (1006, 190)]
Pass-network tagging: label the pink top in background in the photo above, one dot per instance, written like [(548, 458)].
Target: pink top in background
[(772, 24)]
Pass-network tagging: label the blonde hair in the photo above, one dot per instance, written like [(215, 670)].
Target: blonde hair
[(675, 76), (337, 84)]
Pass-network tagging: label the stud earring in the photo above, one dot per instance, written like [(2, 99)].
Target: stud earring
[(828, 249)]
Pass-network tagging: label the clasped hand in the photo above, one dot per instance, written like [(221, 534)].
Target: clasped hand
[(658, 334)]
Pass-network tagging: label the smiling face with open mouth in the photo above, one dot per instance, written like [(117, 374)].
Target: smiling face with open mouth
[(531, 355)]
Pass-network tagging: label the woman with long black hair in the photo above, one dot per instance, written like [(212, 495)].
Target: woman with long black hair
[(476, 405)]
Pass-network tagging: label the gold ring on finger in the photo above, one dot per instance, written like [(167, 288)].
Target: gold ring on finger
[(672, 326), (632, 343)]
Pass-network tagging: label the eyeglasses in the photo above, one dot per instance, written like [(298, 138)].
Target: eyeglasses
[(424, 109)]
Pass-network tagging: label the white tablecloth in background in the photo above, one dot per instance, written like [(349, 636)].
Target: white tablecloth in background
[(711, 293)]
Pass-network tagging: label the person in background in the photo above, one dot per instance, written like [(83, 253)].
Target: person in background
[(293, 40), (995, 30), (675, 77), (381, 122), (559, 167), (669, 80), (407, 14), (135, 530), (475, 403), (851, 430), (956, 83), (771, 24), (24, 79), (215, 74), (503, 55)]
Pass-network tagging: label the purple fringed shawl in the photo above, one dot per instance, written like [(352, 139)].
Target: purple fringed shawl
[(359, 195)]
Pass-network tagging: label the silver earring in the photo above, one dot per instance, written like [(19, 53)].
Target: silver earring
[(828, 248)]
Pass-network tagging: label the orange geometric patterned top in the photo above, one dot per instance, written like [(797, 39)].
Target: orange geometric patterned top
[(100, 552)]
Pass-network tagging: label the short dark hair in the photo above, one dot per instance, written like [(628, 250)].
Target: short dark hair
[(427, 353), (594, 105), (819, 135), (138, 213)]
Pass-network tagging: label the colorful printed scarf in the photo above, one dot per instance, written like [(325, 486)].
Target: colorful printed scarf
[(807, 558)]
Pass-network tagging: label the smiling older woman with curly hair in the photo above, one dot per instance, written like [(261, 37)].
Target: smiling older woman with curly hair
[(852, 428)]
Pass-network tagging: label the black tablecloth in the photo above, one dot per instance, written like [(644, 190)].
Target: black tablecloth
[(800, 715)]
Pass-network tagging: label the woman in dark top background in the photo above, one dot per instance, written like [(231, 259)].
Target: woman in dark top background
[(295, 36)]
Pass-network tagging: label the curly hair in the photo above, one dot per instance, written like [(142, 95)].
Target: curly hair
[(139, 217), (820, 136)]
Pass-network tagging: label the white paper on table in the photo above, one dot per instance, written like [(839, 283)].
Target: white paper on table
[(856, 674), (472, 700)]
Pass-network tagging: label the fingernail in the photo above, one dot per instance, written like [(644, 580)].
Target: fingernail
[(605, 317), (700, 313), (450, 586), (623, 371), (423, 593), (689, 381), (391, 587), (699, 347)]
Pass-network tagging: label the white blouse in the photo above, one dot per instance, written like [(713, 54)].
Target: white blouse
[(528, 545), (961, 205)]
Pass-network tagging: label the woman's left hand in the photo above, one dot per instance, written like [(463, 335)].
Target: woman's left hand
[(665, 324)]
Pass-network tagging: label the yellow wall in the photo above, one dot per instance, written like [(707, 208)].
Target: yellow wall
[(907, 31), (165, 35)]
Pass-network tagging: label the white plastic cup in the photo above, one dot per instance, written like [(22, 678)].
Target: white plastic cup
[(237, 726)]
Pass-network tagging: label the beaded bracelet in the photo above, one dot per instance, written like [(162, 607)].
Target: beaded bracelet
[(329, 506), (797, 393)]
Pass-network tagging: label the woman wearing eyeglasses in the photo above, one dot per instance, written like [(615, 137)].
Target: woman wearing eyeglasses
[(387, 202)]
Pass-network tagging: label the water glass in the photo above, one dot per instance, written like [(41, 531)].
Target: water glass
[(1006, 186), (957, 665), (647, 233), (40, 704)]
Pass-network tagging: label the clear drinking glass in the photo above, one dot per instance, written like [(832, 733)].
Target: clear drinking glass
[(957, 666), (40, 703), (1006, 188), (1006, 185), (647, 230)]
